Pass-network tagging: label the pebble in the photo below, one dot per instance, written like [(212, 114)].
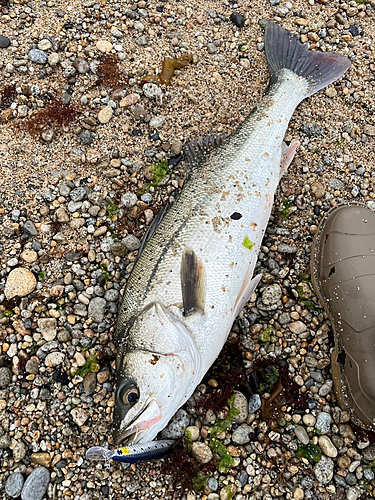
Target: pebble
[(151, 90), (5, 377), (327, 447), (318, 190), (131, 242), (309, 419), (324, 470), (104, 46), (41, 458), (202, 452), (271, 295), (14, 484), (241, 434), (48, 328), (54, 359), (323, 422), (36, 484), (176, 427), (237, 19), (255, 403), (302, 434), (19, 451), (4, 42), (193, 432), (129, 100), (326, 388), (20, 282), (297, 327), (157, 122), (105, 114), (298, 494), (96, 309), (30, 229), (241, 404), (79, 416), (38, 56)]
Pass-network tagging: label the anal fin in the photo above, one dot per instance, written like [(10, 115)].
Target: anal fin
[(193, 283), (247, 289), (287, 155)]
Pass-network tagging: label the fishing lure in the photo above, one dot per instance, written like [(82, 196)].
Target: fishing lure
[(132, 454)]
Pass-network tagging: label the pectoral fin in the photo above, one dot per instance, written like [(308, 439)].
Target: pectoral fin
[(193, 283), (287, 155)]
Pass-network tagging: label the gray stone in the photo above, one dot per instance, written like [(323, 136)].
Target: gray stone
[(81, 65), (97, 309), (19, 451), (271, 294), (38, 56), (142, 40), (131, 242), (78, 194), (119, 249), (302, 434), (284, 248), (128, 200), (368, 453), (211, 47), (4, 441), (323, 422), (240, 403), (36, 484), (5, 377), (157, 122), (48, 328), (241, 434), (324, 470), (30, 229), (352, 494), (255, 403), (4, 42), (85, 137), (111, 295), (326, 388), (176, 427), (14, 484)]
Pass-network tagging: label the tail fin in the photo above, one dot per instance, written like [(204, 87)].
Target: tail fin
[(285, 51)]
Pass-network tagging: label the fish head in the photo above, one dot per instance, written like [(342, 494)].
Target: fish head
[(158, 367)]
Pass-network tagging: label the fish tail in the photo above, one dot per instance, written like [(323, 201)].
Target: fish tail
[(285, 51)]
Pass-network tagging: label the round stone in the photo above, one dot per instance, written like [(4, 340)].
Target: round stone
[(78, 194), (96, 309), (54, 358), (318, 190), (202, 452), (19, 451), (20, 282), (324, 470), (298, 494), (255, 403), (323, 422), (44, 44), (302, 434), (192, 432), (151, 90), (29, 256), (157, 122), (241, 434), (81, 65), (104, 46), (271, 294), (129, 100), (327, 447), (105, 114), (4, 42), (14, 484), (36, 484), (53, 59), (5, 377), (131, 242), (309, 420), (48, 328), (297, 327), (38, 56), (176, 428), (241, 404)]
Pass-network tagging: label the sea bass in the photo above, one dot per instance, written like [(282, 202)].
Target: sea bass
[(195, 273)]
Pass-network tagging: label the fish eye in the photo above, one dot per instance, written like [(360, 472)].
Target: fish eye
[(130, 396)]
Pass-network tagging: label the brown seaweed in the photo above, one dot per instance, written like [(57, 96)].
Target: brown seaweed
[(168, 69)]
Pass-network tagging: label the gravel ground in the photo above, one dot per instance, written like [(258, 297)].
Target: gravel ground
[(75, 203)]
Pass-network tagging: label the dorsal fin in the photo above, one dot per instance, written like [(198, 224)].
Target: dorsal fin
[(197, 149), (193, 283)]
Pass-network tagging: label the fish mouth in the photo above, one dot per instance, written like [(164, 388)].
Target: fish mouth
[(136, 430)]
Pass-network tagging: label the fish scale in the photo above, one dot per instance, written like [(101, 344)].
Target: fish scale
[(195, 272)]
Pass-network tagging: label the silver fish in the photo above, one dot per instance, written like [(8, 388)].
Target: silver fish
[(195, 273)]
